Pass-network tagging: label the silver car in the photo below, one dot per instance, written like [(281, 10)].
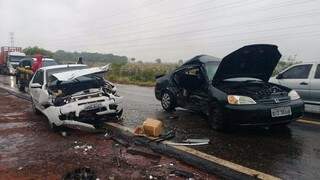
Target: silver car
[(305, 79)]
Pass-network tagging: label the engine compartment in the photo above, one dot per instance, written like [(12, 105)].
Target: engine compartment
[(255, 89), (84, 87)]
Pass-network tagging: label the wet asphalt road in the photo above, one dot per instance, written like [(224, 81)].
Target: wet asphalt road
[(288, 153)]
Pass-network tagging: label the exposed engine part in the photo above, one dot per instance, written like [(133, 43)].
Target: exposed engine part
[(256, 90)]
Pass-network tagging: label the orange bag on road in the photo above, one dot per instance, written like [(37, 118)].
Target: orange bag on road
[(152, 127)]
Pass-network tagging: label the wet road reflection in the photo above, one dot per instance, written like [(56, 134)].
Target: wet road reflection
[(289, 153)]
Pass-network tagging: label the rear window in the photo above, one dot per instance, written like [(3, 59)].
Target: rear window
[(49, 63)]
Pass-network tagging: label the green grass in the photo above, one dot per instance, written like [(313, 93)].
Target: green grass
[(142, 74)]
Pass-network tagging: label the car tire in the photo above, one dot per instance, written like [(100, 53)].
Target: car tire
[(168, 101), (53, 127), (216, 120), (34, 109)]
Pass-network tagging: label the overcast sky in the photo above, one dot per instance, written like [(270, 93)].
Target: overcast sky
[(166, 29)]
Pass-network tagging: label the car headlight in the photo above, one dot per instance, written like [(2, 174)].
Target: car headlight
[(11, 70), (293, 95), (234, 99)]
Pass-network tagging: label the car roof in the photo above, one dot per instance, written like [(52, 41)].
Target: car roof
[(62, 66), (44, 59), (201, 59), (34, 59)]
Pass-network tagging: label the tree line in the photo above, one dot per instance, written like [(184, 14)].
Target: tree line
[(63, 57)]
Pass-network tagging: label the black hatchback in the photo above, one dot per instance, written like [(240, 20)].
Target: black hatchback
[(234, 90)]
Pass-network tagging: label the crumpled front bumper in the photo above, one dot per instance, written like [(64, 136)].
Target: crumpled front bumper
[(87, 111)]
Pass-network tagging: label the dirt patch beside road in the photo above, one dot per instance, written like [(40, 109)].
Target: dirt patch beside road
[(29, 150)]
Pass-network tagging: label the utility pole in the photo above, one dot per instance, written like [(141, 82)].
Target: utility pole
[(12, 39)]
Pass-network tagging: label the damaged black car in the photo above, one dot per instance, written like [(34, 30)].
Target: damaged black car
[(231, 91)]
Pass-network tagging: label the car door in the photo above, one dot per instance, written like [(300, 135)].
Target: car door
[(315, 86), (35, 91), (191, 81), (297, 78)]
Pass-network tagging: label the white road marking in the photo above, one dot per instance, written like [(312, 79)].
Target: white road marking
[(308, 122)]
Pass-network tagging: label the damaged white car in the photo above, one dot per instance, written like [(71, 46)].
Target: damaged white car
[(74, 96)]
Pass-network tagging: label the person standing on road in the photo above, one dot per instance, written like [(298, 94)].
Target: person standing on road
[(38, 63), (80, 61)]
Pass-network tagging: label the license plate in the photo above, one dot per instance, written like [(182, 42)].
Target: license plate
[(281, 111), (93, 106)]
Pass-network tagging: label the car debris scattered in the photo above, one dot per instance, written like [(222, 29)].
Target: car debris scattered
[(167, 136), (182, 173), (83, 147), (143, 152), (187, 143), (81, 173)]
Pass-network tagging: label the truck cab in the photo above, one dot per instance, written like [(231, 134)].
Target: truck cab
[(13, 61), (9, 59)]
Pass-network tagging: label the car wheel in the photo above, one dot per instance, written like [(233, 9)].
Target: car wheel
[(34, 109), (53, 126), (167, 101), (216, 120)]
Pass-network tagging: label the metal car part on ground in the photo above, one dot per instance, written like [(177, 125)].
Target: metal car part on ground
[(74, 95)]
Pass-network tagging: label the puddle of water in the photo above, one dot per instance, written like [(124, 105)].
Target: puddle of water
[(13, 114), (4, 126)]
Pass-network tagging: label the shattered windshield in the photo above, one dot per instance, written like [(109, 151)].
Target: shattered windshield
[(211, 68), (49, 63)]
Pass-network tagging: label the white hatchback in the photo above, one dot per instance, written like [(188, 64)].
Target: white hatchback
[(74, 95)]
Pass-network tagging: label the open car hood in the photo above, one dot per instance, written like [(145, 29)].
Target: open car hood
[(253, 61), (70, 75)]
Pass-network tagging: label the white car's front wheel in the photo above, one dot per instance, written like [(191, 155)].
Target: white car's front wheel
[(34, 109)]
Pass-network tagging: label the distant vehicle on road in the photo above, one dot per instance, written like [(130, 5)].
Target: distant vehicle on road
[(24, 72), (305, 79), (9, 59), (232, 91), (74, 95)]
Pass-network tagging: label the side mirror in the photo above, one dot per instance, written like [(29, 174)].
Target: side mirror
[(35, 85), (279, 76)]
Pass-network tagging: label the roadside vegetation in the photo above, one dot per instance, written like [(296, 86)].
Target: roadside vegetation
[(142, 74), (129, 71), (284, 63)]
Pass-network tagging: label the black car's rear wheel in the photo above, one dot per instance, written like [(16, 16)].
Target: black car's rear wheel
[(167, 101), (216, 119)]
